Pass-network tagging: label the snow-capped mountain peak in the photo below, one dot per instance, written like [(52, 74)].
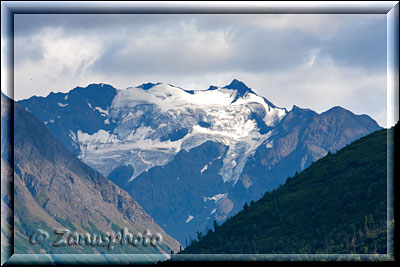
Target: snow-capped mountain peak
[(147, 125), (218, 147), (154, 121)]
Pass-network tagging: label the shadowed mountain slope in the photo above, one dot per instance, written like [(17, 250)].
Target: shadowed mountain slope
[(55, 190), (338, 205)]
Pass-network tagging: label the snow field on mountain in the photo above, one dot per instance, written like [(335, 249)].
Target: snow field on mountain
[(145, 117)]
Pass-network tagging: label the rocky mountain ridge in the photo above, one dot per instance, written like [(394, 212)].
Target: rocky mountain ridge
[(193, 156)]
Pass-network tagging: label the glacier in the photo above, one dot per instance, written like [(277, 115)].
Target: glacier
[(199, 153), (154, 124)]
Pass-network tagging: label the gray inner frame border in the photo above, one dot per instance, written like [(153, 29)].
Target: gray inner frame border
[(391, 9)]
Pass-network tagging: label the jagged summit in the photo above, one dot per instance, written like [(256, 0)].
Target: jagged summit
[(241, 89), (147, 86), (239, 86), (299, 109), (338, 109), (92, 87)]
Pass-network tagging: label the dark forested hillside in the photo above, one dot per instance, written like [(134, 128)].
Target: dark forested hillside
[(337, 205)]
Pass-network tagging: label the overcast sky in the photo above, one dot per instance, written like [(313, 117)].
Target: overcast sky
[(312, 61)]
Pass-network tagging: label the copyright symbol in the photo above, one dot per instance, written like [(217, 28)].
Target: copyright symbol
[(39, 236)]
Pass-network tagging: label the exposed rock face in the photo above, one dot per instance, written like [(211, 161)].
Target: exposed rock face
[(148, 125), (338, 205), (55, 190), (301, 138), (185, 154), (179, 189), (225, 206)]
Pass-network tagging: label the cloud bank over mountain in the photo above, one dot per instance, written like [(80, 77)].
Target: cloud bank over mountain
[(315, 61)]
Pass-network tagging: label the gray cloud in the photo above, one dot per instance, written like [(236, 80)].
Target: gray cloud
[(28, 24), (280, 56), (28, 50), (354, 43)]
